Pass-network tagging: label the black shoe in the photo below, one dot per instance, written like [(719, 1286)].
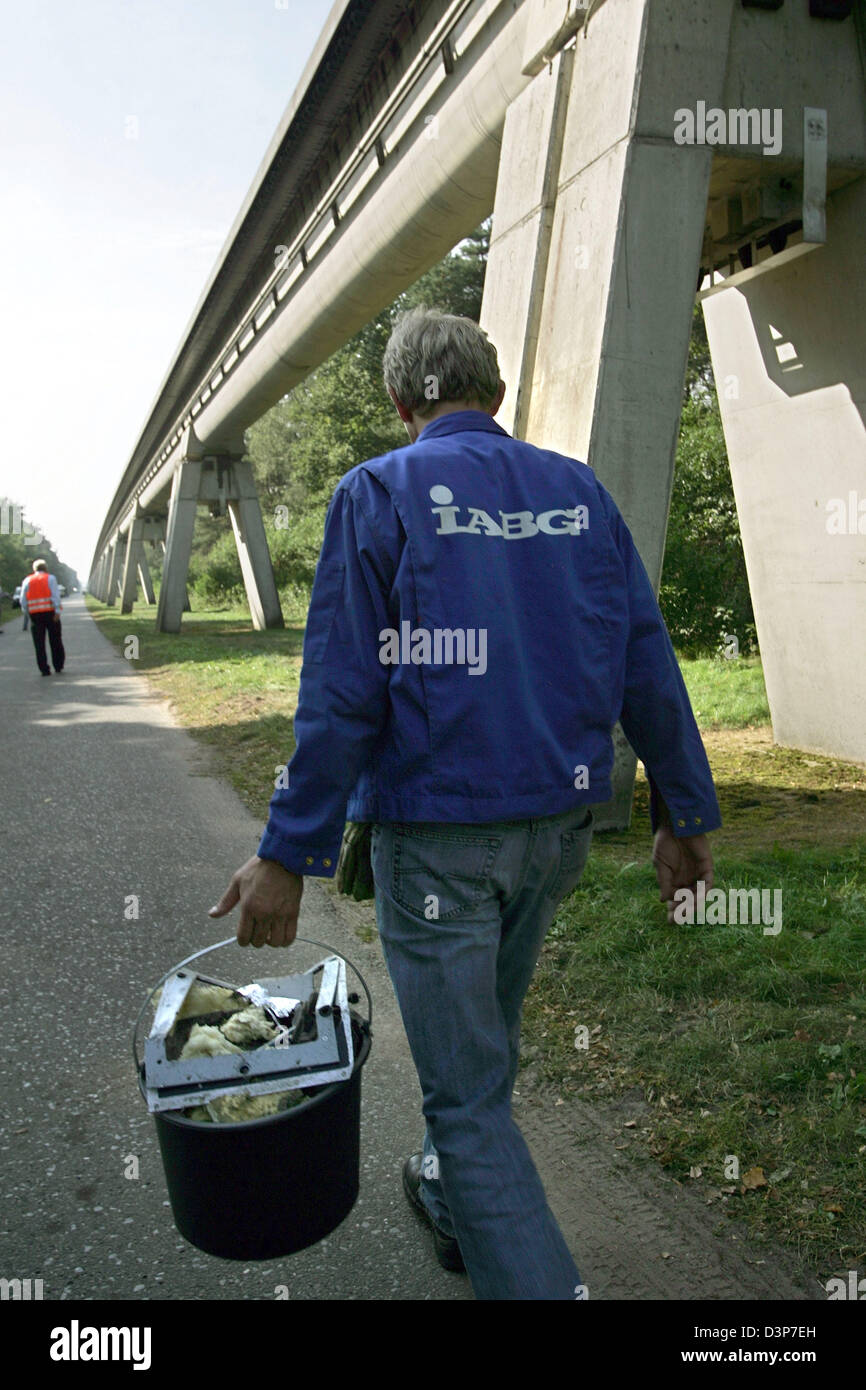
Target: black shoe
[(446, 1247), (46, 673)]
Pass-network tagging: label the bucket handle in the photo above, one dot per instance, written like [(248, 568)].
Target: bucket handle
[(230, 940)]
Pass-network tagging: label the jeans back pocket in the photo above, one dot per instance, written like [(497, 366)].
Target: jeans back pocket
[(441, 875)]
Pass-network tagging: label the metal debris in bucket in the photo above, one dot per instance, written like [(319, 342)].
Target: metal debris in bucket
[(211, 1042)]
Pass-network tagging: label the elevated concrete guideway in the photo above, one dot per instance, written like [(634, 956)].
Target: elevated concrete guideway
[(627, 149), (386, 157)]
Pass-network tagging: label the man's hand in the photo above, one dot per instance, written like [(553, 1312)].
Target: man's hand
[(680, 863), (270, 897)]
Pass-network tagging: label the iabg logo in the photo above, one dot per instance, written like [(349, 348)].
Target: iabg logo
[(512, 526)]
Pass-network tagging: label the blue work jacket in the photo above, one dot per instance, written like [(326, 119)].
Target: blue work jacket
[(480, 620)]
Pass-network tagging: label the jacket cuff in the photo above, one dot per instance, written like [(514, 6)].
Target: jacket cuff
[(696, 819), (299, 859)]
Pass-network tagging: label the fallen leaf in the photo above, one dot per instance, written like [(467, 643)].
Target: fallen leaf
[(630, 1124), (695, 1172), (754, 1178), (780, 1175)]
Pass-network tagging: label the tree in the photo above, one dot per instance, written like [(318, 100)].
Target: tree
[(705, 589), (17, 555), (341, 415)]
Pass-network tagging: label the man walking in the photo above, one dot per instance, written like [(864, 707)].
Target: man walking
[(40, 600), (480, 620)]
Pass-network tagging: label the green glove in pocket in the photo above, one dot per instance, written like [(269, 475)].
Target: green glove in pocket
[(354, 875)]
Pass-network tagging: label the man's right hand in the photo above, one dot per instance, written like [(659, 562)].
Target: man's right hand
[(681, 863)]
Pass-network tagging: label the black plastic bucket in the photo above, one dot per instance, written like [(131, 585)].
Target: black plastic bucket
[(268, 1187)]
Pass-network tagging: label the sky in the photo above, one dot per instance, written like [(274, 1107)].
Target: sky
[(130, 131)]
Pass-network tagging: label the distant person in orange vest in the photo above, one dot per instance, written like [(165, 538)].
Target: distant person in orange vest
[(40, 599)]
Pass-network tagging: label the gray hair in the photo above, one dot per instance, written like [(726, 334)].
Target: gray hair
[(432, 357), (39, 565)]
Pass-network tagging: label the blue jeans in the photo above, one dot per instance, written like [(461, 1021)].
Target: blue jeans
[(462, 912)]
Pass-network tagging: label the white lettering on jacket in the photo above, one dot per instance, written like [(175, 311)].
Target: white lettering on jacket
[(512, 526)]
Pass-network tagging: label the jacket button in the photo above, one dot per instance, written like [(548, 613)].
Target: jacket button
[(326, 863), (309, 859), (680, 822), (698, 820)]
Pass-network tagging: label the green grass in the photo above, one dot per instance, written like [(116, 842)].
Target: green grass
[(739, 1043), (727, 694), (735, 1042)]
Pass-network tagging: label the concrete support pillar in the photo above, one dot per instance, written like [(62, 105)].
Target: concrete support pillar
[(788, 355), (522, 225), (130, 565), (187, 606), (113, 573), (144, 578), (178, 544), (597, 232), (253, 553)]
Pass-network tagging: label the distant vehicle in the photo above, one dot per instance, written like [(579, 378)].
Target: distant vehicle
[(16, 597), (62, 588)]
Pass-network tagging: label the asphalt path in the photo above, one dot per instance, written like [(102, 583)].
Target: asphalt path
[(106, 799)]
